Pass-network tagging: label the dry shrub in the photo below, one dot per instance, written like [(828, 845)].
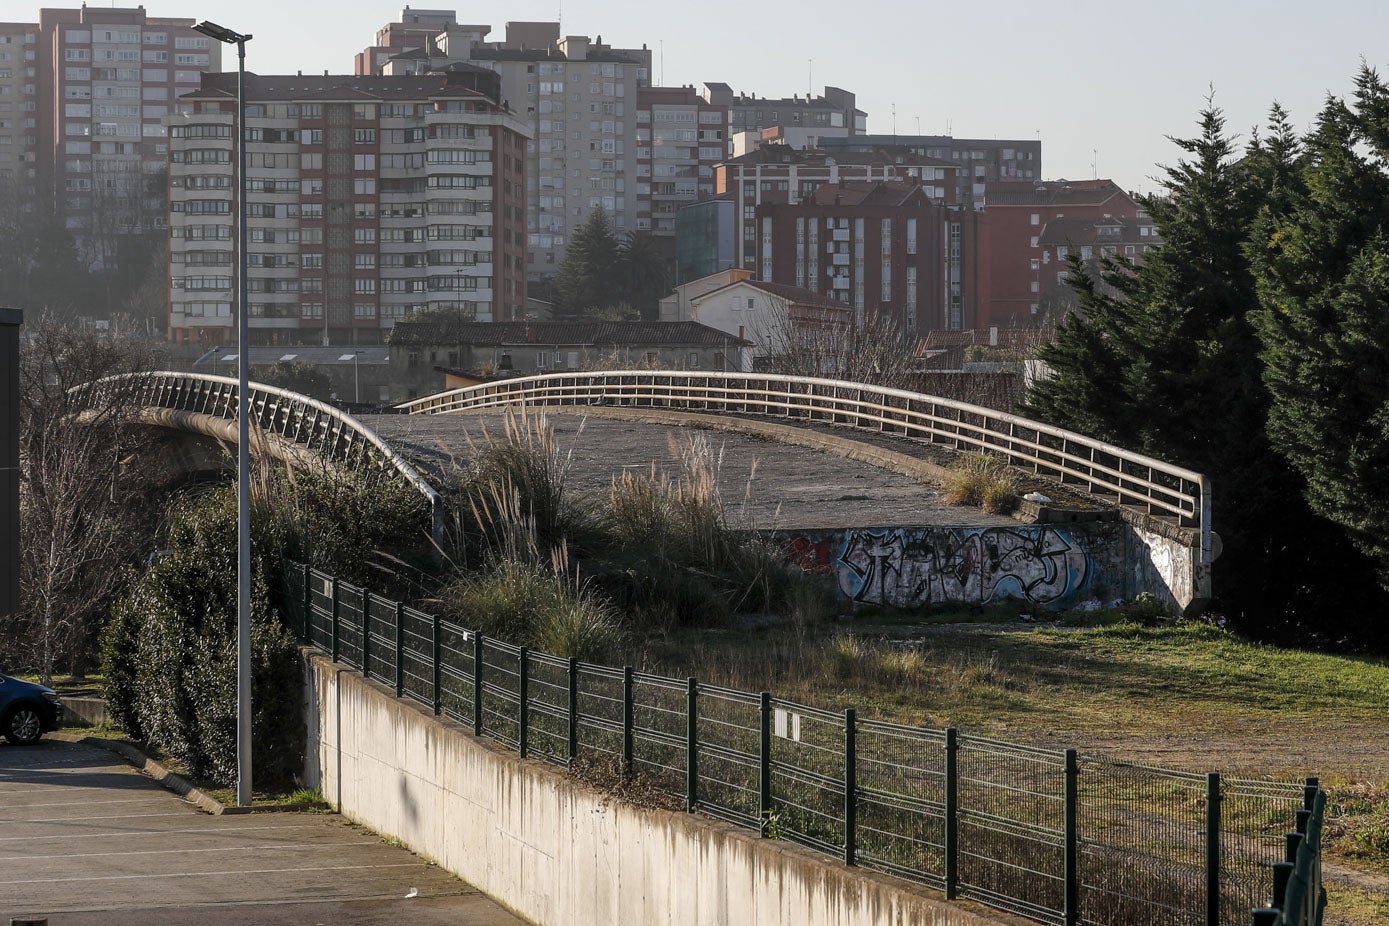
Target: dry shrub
[(983, 480)]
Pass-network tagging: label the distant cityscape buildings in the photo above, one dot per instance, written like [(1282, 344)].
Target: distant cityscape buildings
[(83, 97), (451, 170), (370, 198)]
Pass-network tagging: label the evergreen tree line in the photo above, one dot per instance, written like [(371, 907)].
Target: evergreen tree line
[(607, 276), (1253, 346)]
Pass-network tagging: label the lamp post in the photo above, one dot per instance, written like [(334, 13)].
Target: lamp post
[(243, 432)]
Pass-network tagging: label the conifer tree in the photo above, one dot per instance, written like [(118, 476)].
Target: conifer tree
[(1322, 261), (1163, 358), (587, 279)]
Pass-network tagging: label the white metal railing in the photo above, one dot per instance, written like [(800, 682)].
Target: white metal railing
[(1119, 475), (295, 418)]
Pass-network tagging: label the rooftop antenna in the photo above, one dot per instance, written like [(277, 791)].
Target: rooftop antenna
[(810, 78), (894, 120), (918, 125), (1094, 163)]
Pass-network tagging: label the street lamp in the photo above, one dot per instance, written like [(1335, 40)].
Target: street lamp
[(243, 432)]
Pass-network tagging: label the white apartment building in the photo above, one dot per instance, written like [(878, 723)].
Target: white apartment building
[(106, 80), (579, 98), (18, 102), (369, 197)]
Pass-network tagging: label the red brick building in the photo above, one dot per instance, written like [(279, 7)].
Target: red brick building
[(778, 174), (1091, 240), (1016, 272), (886, 248)]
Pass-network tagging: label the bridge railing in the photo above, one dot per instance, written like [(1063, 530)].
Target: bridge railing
[(1051, 834), (295, 418), (1119, 475)]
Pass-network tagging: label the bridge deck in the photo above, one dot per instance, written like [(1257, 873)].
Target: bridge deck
[(793, 488)]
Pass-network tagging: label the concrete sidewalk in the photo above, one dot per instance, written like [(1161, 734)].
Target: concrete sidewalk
[(84, 839)]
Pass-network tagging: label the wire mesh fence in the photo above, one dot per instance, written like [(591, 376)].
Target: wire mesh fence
[(1047, 834)]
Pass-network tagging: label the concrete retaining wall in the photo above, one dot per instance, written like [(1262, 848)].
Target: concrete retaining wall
[(1049, 566), (559, 854)]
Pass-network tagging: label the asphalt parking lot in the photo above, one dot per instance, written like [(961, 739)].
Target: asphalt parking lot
[(85, 839)]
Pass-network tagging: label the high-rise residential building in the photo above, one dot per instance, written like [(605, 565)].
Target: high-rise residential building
[(18, 103), (781, 174), (370, 197), (579, 97), (416, 29), (891, 249), (680, 139), (106, 78), (979, 161), (807, 118)]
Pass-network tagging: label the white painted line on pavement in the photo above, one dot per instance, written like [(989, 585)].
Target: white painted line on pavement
[(130, 834), (273, 845), (114, 816), (218, 874), (128, 800)]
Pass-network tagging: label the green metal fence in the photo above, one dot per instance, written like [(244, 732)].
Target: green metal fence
[(1298, 896), (1053, 835)]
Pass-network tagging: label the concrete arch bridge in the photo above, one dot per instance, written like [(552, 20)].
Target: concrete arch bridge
[(1138, 524)]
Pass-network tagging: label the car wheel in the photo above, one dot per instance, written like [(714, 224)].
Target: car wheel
[(23, 725)]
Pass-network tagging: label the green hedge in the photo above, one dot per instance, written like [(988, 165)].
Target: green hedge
[(169, 655)]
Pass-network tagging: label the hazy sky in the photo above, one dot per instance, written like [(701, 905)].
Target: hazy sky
[(1104, 81)]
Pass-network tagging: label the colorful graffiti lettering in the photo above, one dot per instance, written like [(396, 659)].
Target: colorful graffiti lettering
[(811, 555), (904, 567)]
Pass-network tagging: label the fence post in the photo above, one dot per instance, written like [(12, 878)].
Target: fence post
[(850, 785), (573, 708), (1292, 842), (1282, 874), (436, 647), (764, 777), (522, 691), (627, 720), (366, 633), (477, 683), (692, 745), (399, 649), (1309, 792), (1072, 855), (1213, 849), (308, 603), (335, 618), (952, 813)]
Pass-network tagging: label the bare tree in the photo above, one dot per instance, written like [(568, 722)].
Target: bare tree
[(823, 343), (80, 519)]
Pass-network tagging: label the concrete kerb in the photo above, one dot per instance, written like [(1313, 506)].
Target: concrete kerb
[(170, 780)]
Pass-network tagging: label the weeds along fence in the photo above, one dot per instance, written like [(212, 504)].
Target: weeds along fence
[(1052, 835)]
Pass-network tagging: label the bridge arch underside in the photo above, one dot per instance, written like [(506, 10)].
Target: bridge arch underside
[(200, 443)]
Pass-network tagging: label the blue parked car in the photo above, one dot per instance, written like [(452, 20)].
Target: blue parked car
[(27, 711)]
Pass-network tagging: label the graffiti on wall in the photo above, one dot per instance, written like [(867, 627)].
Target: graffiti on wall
[(905, 567)]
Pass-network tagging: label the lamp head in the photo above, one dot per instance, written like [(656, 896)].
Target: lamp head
[(220, 33)]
